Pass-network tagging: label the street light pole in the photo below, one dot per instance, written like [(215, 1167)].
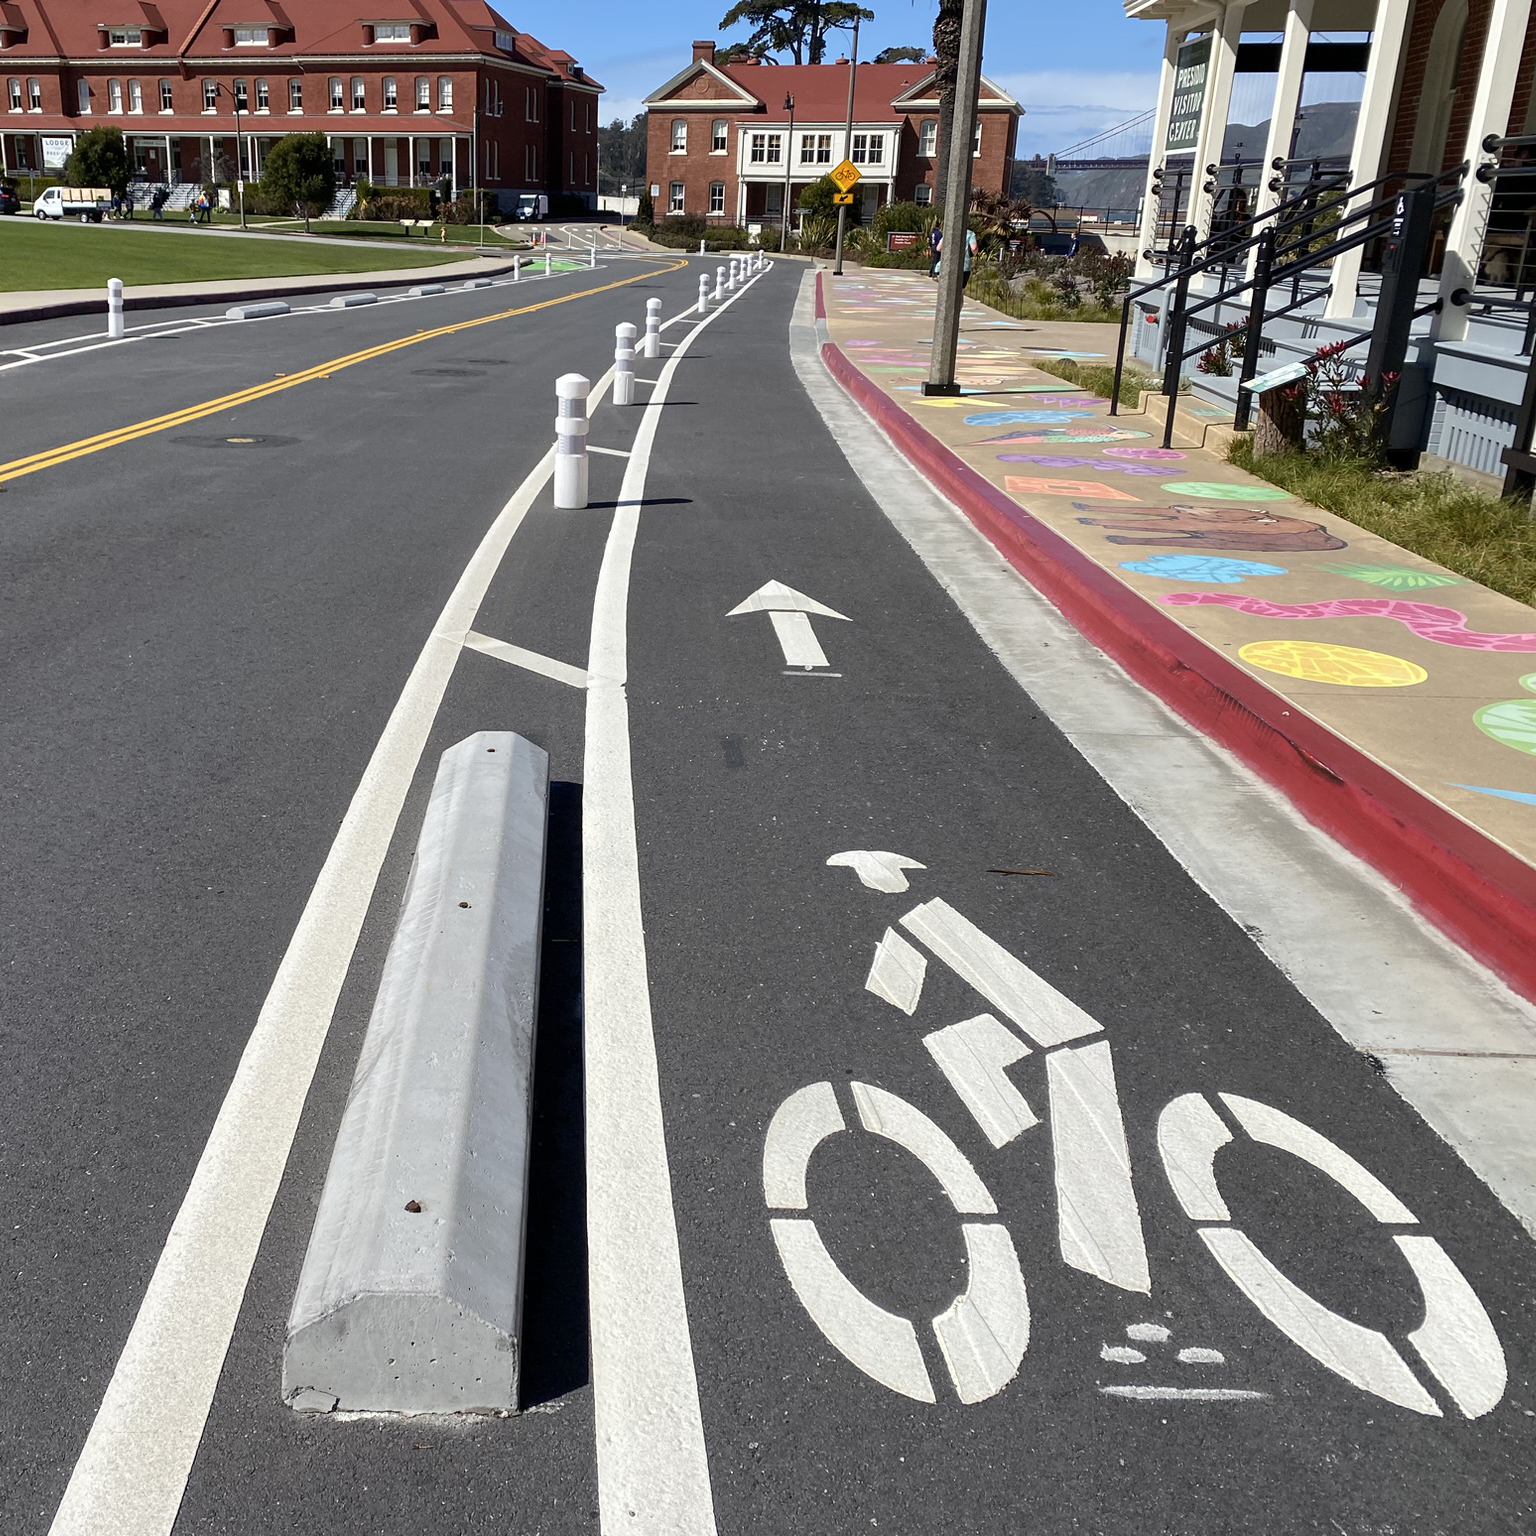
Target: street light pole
[(789, 106), (239, 160), (842, 208), (957, 203)]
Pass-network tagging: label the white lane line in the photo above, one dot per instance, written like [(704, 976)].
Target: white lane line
[(133, 1468), (1100, 1220), (801, 672), (1189, 1394), (1006, 982), (652, 1472), (530, 661), (897, 976), (975, 1055), (617, 453)]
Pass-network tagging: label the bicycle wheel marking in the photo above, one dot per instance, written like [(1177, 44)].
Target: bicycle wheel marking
[(1456, 1340), (982, 1335)]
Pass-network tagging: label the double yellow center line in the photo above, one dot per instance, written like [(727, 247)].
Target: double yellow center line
[(104, 440)]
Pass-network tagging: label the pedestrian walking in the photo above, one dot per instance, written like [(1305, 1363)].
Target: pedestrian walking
[(935, 245), (192, 210), (117, 206), (128, 204), (157, 203)]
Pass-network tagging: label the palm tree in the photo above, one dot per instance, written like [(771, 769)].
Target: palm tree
[(946, 50)]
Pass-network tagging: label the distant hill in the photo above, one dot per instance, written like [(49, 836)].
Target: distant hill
[(1326, 130)]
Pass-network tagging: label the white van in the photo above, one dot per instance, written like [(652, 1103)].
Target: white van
[(531, 205), (88, 204)]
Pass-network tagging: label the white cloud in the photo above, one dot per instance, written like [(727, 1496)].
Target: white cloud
[(1063, 107)]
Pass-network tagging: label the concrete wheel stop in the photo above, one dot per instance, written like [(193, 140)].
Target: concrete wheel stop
[(410, 1297)]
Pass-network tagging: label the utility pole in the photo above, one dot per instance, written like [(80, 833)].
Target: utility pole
[(789, 106), (842, 208), (240, 159), (957, 204)]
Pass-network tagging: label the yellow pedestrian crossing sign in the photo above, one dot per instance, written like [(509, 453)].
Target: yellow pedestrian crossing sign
[(845, 175)]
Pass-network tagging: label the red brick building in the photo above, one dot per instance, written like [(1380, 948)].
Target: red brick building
[(423, 89), (720, 143)]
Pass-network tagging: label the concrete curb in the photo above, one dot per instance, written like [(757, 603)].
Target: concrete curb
[(410, 1298), (227, 294), (1473, 888)]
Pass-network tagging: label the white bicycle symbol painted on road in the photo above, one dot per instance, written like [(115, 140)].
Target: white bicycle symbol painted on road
[(984, 1333)]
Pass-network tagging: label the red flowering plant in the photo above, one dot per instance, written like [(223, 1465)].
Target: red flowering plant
[(1349, 408), (1218, 358)]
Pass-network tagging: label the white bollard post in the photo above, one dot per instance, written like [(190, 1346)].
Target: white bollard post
[(624, 364), (701, 245), (730, 274), (571, 391), (115, 308), (704, 293), (653, 327), (546, 261), (517, 269), (593, 262), (719, 284)]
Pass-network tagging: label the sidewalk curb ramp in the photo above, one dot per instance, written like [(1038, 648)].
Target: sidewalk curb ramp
[(410, 1298), (228, 294), (1476, 890)]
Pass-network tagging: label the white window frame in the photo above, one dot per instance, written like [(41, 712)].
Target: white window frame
[(719, 136), (357, 93), (263, 97), (125, 37), (83, 97), (252, 37), (423, 90), (679, 136), (675, 197), (445, 93), (114, 96), (391, 94), (167, 96), (531, 104), (13, 94), (136, 96), (928, 138), (242, 96), (815, 149), (766, 149), (34, 94), (923, 195), (868, 149), (336, 93), (976, 142), (392, 32), (717, 197)]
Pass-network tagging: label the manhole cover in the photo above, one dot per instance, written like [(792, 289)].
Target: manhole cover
[(449, 373), (234, 440)]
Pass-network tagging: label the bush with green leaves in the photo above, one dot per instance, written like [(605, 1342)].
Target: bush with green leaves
[(685, 230), (99, 159), (817, 198), (818, 232), (645, 211), (300, 174)]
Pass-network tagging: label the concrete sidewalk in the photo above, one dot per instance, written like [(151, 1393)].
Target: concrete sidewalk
[(1392, 700), (48, 304)]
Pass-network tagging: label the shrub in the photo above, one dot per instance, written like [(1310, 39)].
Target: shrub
[(645, 211), (817, 198), (300, 173), (99, 159), (901, 216), (686, 230), (817, 232)]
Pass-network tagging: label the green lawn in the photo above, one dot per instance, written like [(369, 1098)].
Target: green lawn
[(39, 256)]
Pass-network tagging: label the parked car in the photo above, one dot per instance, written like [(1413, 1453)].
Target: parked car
[(88, 204), (9, 202)]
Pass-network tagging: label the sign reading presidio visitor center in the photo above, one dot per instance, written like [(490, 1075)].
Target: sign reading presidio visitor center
[(1194, 68)]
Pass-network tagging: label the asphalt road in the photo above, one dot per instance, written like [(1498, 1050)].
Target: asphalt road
[(203, 641)]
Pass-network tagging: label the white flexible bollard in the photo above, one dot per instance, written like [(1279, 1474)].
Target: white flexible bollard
[(701, 245), (547, 260), (571, 390), (115, 308), (704, 293), (730, 275), (593, 261), (624, 363), (517, 269), (719, 284), (653, 327)]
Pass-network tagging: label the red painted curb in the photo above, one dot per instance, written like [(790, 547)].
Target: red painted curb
[(1479, 893)]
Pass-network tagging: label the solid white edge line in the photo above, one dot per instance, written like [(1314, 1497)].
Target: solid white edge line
[(652, 1470), (133, 1468)]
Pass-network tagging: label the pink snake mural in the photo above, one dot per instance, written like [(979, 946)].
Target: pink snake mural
[(1443, 626)]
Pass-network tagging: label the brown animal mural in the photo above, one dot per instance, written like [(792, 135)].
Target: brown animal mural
[(1250, 528)]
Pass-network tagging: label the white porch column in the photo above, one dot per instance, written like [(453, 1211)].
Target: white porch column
[(167, 159), (1507, 23), (1213, 120), (370, 157), (4, 164), (1370, 144), (1282, 116), (1147, 236)]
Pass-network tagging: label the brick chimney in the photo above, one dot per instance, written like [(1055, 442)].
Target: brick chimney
[(704, 53)]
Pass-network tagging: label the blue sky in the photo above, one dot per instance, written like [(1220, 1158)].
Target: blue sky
[(1077, 67)]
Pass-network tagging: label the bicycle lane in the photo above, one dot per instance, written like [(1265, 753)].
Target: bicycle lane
[(1163, 1401)]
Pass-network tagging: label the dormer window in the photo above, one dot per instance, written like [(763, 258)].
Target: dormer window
[(125, 37), (251, 37), (506, 41), (391, 31)]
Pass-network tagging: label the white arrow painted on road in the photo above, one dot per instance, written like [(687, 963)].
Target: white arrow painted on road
[(790, 612)]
